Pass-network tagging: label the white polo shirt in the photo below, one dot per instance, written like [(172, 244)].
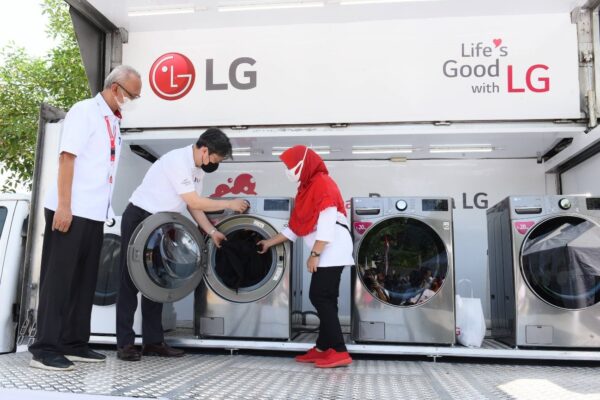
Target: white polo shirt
[(85, 135), (338, 250), (172, 175)]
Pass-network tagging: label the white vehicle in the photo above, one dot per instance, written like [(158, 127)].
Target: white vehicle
[(14, 211), (460, 98)]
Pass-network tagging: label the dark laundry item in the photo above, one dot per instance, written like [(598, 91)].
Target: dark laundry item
[(563, 264), (238, 264), (576, 243)]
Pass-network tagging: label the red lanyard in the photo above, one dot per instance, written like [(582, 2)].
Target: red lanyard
[(112, 135)]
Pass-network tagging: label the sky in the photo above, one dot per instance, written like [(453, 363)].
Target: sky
[(22, 21)]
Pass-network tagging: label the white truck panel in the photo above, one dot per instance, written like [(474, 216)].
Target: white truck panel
[(437, 69)]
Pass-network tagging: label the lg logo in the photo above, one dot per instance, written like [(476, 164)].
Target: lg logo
[(172, 76)]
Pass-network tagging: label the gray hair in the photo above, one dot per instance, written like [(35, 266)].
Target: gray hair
[(120, 74)]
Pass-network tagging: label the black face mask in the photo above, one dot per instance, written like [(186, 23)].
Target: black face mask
[(210, 167)]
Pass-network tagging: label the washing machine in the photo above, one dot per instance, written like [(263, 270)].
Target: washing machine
[(238, 293), (103, 318), (544, 271), (403, 283), (245, 294)]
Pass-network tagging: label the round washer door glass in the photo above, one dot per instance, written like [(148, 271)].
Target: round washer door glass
[(560, 260), (165, 257), (109, 275), (236, 271), (402, 261)]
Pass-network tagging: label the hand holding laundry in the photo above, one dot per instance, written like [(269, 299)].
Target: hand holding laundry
[(263, 246), (217, 238)]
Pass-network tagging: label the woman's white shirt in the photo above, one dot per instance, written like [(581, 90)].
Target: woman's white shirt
[(339, 248)]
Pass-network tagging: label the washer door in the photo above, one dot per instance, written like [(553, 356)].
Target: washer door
[(560, 261), (402, 261), (109, 276), (165, 257), (236, 271)]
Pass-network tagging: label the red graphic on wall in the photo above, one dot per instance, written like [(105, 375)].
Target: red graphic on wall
[(497, 42), (361, 227), (172, 76), (523, 226), (242, 184)]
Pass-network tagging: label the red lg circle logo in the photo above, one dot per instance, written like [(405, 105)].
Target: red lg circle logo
[(172, 76)]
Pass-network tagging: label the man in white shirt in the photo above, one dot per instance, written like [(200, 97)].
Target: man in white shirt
[(172, 184), (75, 211)]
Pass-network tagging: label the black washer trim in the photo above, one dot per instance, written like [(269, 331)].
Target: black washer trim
[(575, 161)]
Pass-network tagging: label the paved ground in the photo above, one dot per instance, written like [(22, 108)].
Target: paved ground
[(274, 376)]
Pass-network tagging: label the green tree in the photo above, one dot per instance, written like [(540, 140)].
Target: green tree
[(58, 79)]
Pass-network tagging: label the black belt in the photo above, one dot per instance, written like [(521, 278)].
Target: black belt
[(345, 226)]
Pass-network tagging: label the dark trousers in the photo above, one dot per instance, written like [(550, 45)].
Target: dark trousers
[(69, 271), (324, 293), (127, 302)]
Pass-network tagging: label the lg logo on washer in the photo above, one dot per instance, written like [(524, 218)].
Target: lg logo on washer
[(172, 76)]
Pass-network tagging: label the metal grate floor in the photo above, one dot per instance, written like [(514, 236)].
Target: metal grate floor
[(242, 376)]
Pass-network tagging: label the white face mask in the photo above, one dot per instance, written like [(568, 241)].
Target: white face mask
[(293, 174), (126, 105)]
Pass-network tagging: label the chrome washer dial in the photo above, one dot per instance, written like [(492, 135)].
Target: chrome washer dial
[(401, 205), (565, 204)]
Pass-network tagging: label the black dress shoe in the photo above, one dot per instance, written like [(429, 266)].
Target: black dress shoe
[(161, 350), (88, 355), (52, 362), (129, 353)]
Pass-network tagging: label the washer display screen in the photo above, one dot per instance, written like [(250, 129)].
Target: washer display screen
[(434, 205), (402, 261), (592, 203), (560, 261), (277, 205)]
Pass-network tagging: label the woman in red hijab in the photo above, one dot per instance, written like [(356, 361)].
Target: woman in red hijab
[(319, 217)]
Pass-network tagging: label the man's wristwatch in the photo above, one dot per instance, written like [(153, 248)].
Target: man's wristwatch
[(314, 254), (213, 230)]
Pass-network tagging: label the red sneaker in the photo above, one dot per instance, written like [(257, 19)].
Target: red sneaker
[(334, 359), (311, 356)]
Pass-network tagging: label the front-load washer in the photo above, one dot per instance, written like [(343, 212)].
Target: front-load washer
[(403, 283), (169, 258), (103, 319), (544, 271), (245, 294)]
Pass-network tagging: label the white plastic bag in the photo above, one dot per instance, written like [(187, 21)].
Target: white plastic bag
[(470, 322)]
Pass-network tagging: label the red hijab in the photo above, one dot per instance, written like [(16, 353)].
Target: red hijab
[(317, 191)]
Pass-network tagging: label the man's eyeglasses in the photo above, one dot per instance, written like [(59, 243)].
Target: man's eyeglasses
[(132, 97)]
